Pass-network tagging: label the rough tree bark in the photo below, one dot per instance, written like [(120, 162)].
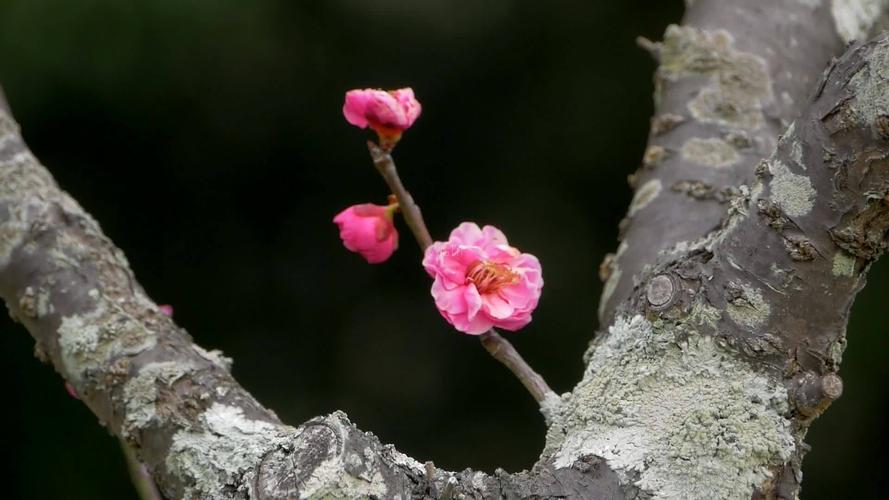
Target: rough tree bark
[(726, 328)]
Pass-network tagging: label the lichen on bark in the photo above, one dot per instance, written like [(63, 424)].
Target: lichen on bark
[(723, 351), (687, 419)]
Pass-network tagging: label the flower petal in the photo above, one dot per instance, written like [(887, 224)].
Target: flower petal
[(494, 306)]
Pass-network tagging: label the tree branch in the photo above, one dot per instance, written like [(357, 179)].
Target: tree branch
[(750, 318), (702, 388), (730, 80)]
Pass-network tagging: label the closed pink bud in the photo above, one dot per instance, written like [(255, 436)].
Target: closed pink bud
[(481, 282), (368, 230), (71, 390), (166, 309), (389, 113)]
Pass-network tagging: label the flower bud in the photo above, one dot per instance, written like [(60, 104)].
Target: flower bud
[(389, 113), (368, 230)]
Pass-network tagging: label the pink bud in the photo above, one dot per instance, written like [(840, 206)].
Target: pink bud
[(71, 390), (368, 230), (389, 113), (481, 282), (166, 310)]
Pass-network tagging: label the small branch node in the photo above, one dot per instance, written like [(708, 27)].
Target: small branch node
[(653, 48)]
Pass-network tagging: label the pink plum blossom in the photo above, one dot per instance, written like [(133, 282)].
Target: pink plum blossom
[(481, 282), (368, 229), (389, 113), (166, 309)]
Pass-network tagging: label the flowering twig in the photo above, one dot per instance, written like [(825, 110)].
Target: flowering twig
[(412, 216), (497, 346)]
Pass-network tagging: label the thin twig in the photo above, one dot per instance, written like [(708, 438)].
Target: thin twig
[(139, 475), (652, 48), (412, 216), (497, 346), (503, 351)]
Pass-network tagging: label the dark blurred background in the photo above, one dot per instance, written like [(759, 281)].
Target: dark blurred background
[(207, 138)]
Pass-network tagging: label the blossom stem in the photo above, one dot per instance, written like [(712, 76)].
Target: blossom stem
[(139, 475), (497, 346), (503, 351), (382, 159)]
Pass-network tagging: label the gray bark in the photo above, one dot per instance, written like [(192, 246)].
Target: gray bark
[(730, 81), (725, 333)]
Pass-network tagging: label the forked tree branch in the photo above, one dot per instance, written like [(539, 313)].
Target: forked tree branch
[(703, 386)]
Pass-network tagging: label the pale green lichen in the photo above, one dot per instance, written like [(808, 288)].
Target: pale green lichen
[(686, 420), (704, 315), (710, 152), (330, 480), (14, 221), (843, 264), (223, 452), (854, 18), (141, 392), (88, 341), (749, 309), (739, 82), (869, 84), (222, 455), (793, 193), (835, 352), (644, 195)]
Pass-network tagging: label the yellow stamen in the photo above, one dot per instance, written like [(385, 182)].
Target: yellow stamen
[(488, 277)]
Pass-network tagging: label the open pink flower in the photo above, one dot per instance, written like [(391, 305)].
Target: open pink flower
[(389, 113), (481, 281), (368, 230)]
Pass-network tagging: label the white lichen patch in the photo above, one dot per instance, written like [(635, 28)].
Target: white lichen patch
[(793, 193), (739, 82), (14, 220), (644, 195), (675, 414), (330, 480), (215, 356), (141, 392), (795, 146), (750, 309), (88, 341), (44, 303), (796, 154), (402, 460), (843, 264), (704, 315), (613, 279), (854, 18), (710, 152), (223, 452), (870, 83)]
